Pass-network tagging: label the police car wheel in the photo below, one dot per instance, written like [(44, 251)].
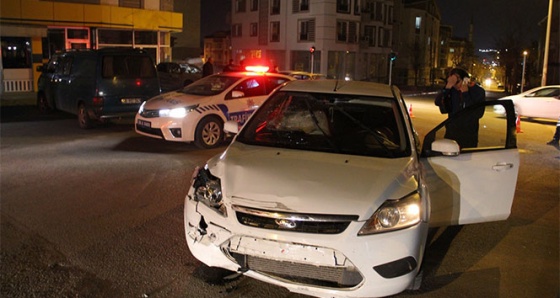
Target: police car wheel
[(209, 133)]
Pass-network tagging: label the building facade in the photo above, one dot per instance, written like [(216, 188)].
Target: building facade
[(344, 39), (32, 30)]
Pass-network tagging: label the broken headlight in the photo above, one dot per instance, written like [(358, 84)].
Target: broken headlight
[(394, 215), (208, 190)]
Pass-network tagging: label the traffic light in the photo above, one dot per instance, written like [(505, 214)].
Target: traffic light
[(312, 50), (393, 56)]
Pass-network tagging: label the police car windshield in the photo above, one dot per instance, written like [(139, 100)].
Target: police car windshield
[(210, 85), (337, 123)]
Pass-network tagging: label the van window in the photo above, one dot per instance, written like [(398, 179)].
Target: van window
[(123, 66)]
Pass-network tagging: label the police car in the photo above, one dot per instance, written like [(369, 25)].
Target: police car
[(327, 191), (197, 112)]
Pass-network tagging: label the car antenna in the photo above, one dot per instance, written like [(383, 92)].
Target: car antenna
[(335, 85)]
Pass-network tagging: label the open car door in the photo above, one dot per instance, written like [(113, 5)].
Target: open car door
[(477, 183)]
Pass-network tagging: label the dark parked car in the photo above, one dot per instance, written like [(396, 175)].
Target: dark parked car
[(97, 85), (174, 76)]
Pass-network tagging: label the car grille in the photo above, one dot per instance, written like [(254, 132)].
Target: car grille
[(309, 274), (293, 222), (150, 113), (149, 130)]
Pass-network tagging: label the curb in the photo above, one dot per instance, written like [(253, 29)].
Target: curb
[(10, 99)]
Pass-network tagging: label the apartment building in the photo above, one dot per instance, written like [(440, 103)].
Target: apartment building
[(32, 30), (344, 39)]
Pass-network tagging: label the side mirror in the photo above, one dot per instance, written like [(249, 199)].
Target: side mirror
[(447, 147), (231, 126), (237, 94)]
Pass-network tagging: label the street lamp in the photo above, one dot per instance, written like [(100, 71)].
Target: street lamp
[(523, 74)]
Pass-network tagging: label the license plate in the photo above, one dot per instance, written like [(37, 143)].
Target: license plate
[(130, 100), (144, 123)]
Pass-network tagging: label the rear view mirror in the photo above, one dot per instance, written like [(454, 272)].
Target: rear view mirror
[(447, 147)]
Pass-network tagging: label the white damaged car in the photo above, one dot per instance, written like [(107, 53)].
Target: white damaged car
[(327, 192)]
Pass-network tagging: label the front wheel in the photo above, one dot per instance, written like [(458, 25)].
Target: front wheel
[(43, 104), (84, 121), (209, 133)]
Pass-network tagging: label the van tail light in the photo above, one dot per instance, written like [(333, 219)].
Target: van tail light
[(138, 83), (98, 100)]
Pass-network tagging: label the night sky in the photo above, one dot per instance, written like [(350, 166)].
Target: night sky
[(494, 18), (491, 18)]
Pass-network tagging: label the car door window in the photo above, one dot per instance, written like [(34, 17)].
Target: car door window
[(273, 82), (547, 92), (251, 87)]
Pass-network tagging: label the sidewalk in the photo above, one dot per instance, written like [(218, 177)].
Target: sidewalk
[(10, 99)]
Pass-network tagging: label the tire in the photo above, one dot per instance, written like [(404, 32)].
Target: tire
[(209, 132), (43, 104), (84, 121)]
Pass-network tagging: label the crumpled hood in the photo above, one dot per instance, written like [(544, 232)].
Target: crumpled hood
[(174, 99), (311, 182)]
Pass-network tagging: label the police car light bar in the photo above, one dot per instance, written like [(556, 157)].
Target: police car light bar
[(256, 68)]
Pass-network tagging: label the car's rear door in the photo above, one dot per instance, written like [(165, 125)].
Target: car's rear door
[(478, 184)]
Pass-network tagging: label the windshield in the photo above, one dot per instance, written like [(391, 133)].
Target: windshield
[(211, 85), (337, 123)]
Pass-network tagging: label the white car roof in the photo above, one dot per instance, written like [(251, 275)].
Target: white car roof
[(342, 87)]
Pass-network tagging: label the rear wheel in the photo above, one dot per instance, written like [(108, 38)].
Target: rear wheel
[(84, 120), (209, 133)]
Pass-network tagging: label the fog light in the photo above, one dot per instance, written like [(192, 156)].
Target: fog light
[(176, 132)]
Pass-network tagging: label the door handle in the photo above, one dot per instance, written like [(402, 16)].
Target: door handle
[(502, 166)]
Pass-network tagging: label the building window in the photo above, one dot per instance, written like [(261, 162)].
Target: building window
[(254, 29), (275, 31), (300, 5), (369, 35), (343, 6), (306, 30), (357, 7), (341, 31), (384, 37), (347, 31), (254, 5), (379, 12), (275, 7), (236, 30), (418, 24), (240, 5)]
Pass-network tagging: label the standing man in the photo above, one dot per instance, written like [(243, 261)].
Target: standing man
[(207, 68), (458, 94)]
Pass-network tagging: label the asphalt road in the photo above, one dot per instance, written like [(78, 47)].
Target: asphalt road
[(98, 213)]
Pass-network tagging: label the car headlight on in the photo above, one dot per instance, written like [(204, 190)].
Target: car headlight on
[(208, 190), (176, 112), (394, 215), (141, 110)]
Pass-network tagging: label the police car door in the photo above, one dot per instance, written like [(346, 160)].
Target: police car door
[(472, 185), (245, 98)]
